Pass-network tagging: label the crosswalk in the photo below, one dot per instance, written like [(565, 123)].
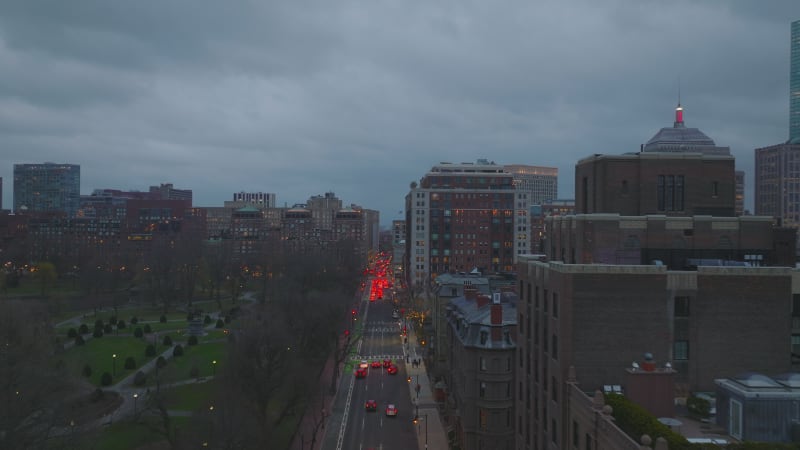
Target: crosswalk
[(383, 330), (376, 357)]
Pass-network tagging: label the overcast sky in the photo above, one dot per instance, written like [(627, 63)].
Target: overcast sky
[(361, 98)]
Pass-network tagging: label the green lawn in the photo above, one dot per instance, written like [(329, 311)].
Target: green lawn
[(202, 356), (190, 397), (98, 354)]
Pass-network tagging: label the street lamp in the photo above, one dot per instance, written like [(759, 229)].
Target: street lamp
[(135, 398), (416, 422), (114, 364), (214, 367)]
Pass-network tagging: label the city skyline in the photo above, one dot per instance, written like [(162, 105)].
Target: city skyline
[(301, 101)]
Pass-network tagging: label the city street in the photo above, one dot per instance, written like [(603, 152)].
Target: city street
[(352, 426)]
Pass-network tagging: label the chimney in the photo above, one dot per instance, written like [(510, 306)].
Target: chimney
[(497, 309), (496, 318), (648, 365), (469, 290), (482, 300)]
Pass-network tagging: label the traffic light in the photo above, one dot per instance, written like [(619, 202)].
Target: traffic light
[(353, 312), (347, 333)]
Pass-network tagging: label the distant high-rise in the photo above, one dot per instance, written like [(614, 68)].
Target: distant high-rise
[(739, 192), (540, 183), (166, 191), (461, 217), (47, 187), (262, 199), (794, 86), (777, 192)]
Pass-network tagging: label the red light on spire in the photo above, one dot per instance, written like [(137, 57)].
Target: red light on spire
[(679, 114)]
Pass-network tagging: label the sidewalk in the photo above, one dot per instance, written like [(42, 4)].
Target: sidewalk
[(430, 431)]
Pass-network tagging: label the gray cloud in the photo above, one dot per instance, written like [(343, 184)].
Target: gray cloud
[(361, 98)]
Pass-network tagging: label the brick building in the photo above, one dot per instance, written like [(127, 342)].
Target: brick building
[(709, 323)]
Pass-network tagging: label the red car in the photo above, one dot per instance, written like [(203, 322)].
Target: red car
[(392, 370), (371, 405), (387, 363), (361, 373), (391, 410), (376, 364)]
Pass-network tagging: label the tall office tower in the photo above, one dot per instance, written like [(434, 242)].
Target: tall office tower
[(261, 199), (323, 210), (794, 86), (777, 183), (540, 183), (47, 187), (461, 217)]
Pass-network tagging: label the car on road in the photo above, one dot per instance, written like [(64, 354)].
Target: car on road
[(395, 315), (363, 364), (387, 362), (391, 410), (361, 373), (371, 405), (376, 364), (391, 370)]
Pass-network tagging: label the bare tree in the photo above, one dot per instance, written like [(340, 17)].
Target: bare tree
[(32, 383)]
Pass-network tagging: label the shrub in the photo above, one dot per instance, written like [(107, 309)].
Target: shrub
[(177, 351), (220, 323), (112, 320), (207, 319), (635, 421), (150, 350), (120, 324), (167, 340), (108, 328), (698, 406), (79, 340), (98, 333), (189, 317), (162, 319), (161, 362), (72, 333), (83, 329), (140, 378), (105, 379), (130, 363), (147, 328), (134, 320), (87, 371), (192, 340), (194, 372), (138, 332), (98, 324)]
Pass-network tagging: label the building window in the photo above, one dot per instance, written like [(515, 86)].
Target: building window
[(681, 306), (681, 350), (624, 189), (484, 337), (553, 389), (575, 434), (483, 419), (715, 188), (555, 304), (483, 364), (670, 192), (482, 390), (554, 345)]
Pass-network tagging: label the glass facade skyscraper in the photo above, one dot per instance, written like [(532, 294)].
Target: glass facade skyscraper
[(47, 187), (794, 86)]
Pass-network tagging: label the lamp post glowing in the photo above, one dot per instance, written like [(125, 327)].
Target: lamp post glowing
[(135, 398), (214, 367), (114, 364)]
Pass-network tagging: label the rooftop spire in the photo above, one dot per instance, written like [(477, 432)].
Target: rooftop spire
[(679, 110)]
